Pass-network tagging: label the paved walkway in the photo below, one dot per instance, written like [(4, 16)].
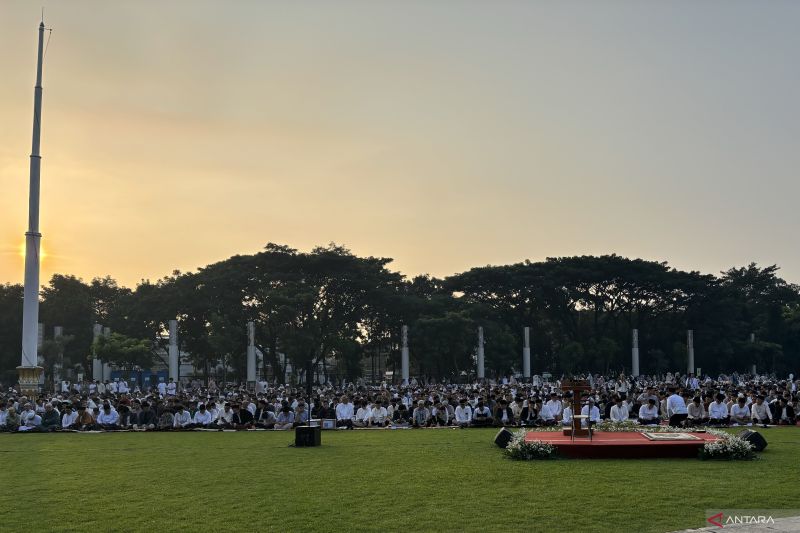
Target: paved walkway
[(781, 525)]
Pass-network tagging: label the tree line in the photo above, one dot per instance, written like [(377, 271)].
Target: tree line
[(331, 305)]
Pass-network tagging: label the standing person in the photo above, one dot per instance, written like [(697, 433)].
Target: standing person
[(172, 387), (676, 409)]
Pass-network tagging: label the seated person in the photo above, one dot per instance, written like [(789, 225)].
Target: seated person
[(344, 413), (285, 419), (69, 417), (760, 412), (242, 418), (463, 414), (166, 422), (30, 422), (421, 416), (13, 420), (183, 418), (566, 413), (146, 419), (785, 413), (379, 416), (718, 412), (592, 411), (440, 416), (648, 413), (108, 417), (401, 416), (740, 413), (619, 411), (361, 419), (203, 417), (51, 421), (503, 416), (300, 415), (85, 420), (697, 412), (481, 415), (264, 418), (545, 416)]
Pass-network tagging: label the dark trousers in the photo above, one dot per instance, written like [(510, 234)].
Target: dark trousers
[(678, 420)]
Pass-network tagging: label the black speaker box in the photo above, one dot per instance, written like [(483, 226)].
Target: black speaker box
[(755, 438), (307, 436), (503, 437)]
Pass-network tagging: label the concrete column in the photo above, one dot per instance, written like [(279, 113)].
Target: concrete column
[(752, 341), (106, 366), (97, 364), (251, 352), (481, 371), (635, 353), (690, 350), (173, 350), (39, 342), (404, 355), (526, 353)]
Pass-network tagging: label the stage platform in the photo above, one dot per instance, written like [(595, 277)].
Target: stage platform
[(627, 445)]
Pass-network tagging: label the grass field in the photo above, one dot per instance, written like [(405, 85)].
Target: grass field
[(424, 480)]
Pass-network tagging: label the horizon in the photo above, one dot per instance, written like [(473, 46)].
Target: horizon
[(444, 139)]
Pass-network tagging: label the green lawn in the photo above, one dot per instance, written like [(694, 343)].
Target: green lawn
[(423, 480)]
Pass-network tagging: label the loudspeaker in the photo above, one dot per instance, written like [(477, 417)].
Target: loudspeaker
[(307, 436), (503, 437), (755, 438)]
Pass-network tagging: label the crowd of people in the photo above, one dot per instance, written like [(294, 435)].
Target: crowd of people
[(681, 401)]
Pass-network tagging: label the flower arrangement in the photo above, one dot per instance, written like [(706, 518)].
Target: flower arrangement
[(728, 447), (521, 450)]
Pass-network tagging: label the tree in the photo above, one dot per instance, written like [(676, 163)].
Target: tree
[(125, 352)]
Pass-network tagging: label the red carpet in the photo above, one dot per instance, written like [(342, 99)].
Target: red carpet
[(628, 445)]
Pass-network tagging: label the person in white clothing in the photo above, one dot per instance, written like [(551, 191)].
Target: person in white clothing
[(590, 410), (760, 412), (108, 418), (162, 388), (463, 413), (740, 414), (122, 387), (183, 418), (379, 417), (676, 409), (718, 411), (203, 417), (619, 411), (172, 387), (68, 418), (648, 413), (344, 413)]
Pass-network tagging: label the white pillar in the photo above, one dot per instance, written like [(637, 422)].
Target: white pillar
[(97, 364), (29, 369), (690, 350), (526, 353), (481, 371), (106, 366), (251, 352), (635, 353), (404, 354), (173, 350), (753, 340), (39, 342)]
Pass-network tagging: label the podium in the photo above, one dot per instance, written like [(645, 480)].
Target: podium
[(577, 387)]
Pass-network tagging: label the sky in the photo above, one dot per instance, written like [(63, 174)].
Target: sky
[(443, 134)]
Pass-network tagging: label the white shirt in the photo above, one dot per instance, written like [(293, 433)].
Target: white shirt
[(676, 405), (567, 415), (740, 411), (183, 418), (3, 417), (123, 387), (68, 419), (463, 414), (619, 413), (378, 415), (546, 413), (112, 417), (648, 412), (717, 410), (594, 413), (112, 387), (344, 411), (172, 387), (761, 412), (555, 407), (162, 388)]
